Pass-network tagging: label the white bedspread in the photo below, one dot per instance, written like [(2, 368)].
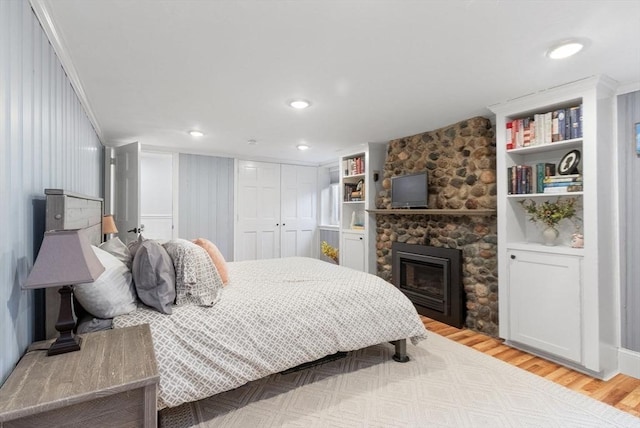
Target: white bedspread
[(274, 314)]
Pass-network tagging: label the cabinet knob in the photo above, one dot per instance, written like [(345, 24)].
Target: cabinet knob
[(513, 256), (277, 224), (361, 238)]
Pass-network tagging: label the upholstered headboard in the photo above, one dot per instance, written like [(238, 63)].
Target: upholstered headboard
[(68, 210)]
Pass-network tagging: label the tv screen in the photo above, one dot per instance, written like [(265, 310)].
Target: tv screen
[(409, 191)]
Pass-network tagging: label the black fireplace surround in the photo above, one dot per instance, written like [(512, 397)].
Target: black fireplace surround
[(431, 277)]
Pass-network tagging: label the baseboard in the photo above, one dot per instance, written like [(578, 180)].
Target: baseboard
[(629, 362)]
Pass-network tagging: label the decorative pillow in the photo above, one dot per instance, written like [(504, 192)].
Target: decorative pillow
[(197, 281), (216, 257), (134, 245), (154, 277), (116, 248), (112, 293)]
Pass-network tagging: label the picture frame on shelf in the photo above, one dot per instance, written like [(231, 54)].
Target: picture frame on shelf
[(569, 163)]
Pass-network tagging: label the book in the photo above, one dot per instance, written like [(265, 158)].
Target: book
[(558, 125), (563, 178), (574, 122), (509, 135), (563, 189), (559, 183), (549, 169), (558, 189), (546, 139)]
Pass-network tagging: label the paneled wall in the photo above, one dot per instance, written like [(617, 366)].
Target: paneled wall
[(628, 116), (206, 200), (46, 141)]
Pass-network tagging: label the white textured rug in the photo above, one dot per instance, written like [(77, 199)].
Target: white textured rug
[(444, 385)]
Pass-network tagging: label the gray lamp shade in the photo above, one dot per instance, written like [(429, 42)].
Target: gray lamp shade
[(65, 258)]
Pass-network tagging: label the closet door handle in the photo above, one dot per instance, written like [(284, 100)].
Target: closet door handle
[(513, 256)]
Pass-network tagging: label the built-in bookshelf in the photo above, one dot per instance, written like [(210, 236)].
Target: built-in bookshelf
[(360, 180), (558, 301)]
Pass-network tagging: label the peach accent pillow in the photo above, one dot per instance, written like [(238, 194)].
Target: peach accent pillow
[(216, 257)]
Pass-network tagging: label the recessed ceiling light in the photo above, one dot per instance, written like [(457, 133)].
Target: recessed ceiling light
[(565, 49), (299, 104), (196, 133), (252, 142), (302, 147)]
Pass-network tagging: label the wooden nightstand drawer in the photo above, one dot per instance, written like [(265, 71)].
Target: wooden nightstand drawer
[(111, 381)]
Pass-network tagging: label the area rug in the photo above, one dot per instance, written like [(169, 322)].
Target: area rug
[(445, 384)]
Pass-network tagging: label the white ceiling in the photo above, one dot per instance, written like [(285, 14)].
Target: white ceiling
[(375, 70)]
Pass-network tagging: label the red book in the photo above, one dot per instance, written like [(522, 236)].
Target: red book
[(509, 135)]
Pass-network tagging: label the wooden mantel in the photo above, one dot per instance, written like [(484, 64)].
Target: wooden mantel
[(428, 211)]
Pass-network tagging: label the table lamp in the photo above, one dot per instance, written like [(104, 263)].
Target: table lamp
[(108, 225), (65, 258)]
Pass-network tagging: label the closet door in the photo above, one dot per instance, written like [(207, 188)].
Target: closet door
[(298, 210), (258, 210)]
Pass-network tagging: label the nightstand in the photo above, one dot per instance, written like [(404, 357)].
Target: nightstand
[(111, 381)]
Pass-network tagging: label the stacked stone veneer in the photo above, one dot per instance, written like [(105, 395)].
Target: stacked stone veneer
[(461, 163)]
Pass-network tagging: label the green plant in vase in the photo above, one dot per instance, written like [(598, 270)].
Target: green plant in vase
[(550, 214)]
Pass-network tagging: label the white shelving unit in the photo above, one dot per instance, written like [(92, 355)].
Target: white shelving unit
[(357, 225), (557, 301)]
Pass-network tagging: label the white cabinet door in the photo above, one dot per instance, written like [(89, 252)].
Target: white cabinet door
[(545, 302), (258, 226), (352, 250)]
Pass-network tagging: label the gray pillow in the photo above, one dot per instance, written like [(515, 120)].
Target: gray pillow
[(110, 295), (134, 245), (116, 248), (154, 276)]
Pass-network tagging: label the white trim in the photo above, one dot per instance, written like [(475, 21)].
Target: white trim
[(628, 87), (41, 10), (629, 362)]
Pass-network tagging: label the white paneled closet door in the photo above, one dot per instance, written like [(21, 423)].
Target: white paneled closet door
[(276, 211), (298, 210), (258, 211)]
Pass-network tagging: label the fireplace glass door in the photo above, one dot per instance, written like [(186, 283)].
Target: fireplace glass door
[(425, 280)]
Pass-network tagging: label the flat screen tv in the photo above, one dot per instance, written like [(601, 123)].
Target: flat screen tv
[(409, 191)]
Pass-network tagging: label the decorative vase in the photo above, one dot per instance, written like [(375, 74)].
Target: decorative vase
[(549, 235)]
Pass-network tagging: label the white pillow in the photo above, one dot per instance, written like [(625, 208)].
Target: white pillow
[(116, 247), (110, 295)]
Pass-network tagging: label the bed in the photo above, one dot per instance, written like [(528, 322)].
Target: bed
[(271, 315)]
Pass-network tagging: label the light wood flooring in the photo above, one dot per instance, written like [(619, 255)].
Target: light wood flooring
[(622, 392)]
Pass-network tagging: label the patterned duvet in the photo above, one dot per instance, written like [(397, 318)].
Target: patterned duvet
[(273, 315)]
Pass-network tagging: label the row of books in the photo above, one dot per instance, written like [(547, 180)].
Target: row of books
[(353, 193), (540, 178), (545, 128), (353, 166)]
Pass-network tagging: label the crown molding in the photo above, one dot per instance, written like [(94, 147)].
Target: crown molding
[(42, 11)]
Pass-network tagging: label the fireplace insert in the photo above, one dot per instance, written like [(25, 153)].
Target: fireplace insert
[(431, 277)]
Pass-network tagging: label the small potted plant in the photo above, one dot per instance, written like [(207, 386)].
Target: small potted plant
[(550, 214)]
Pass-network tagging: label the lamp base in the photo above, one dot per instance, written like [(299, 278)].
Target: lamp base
[(66, 342), (64, 345)]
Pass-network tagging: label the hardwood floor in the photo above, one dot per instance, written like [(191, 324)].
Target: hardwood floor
[(622, 392)]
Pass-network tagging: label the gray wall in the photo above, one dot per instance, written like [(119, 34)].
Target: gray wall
[(205, 192), (46, 141), (628, 116)]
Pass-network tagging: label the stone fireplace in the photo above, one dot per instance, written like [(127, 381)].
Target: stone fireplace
[(460, 160)]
